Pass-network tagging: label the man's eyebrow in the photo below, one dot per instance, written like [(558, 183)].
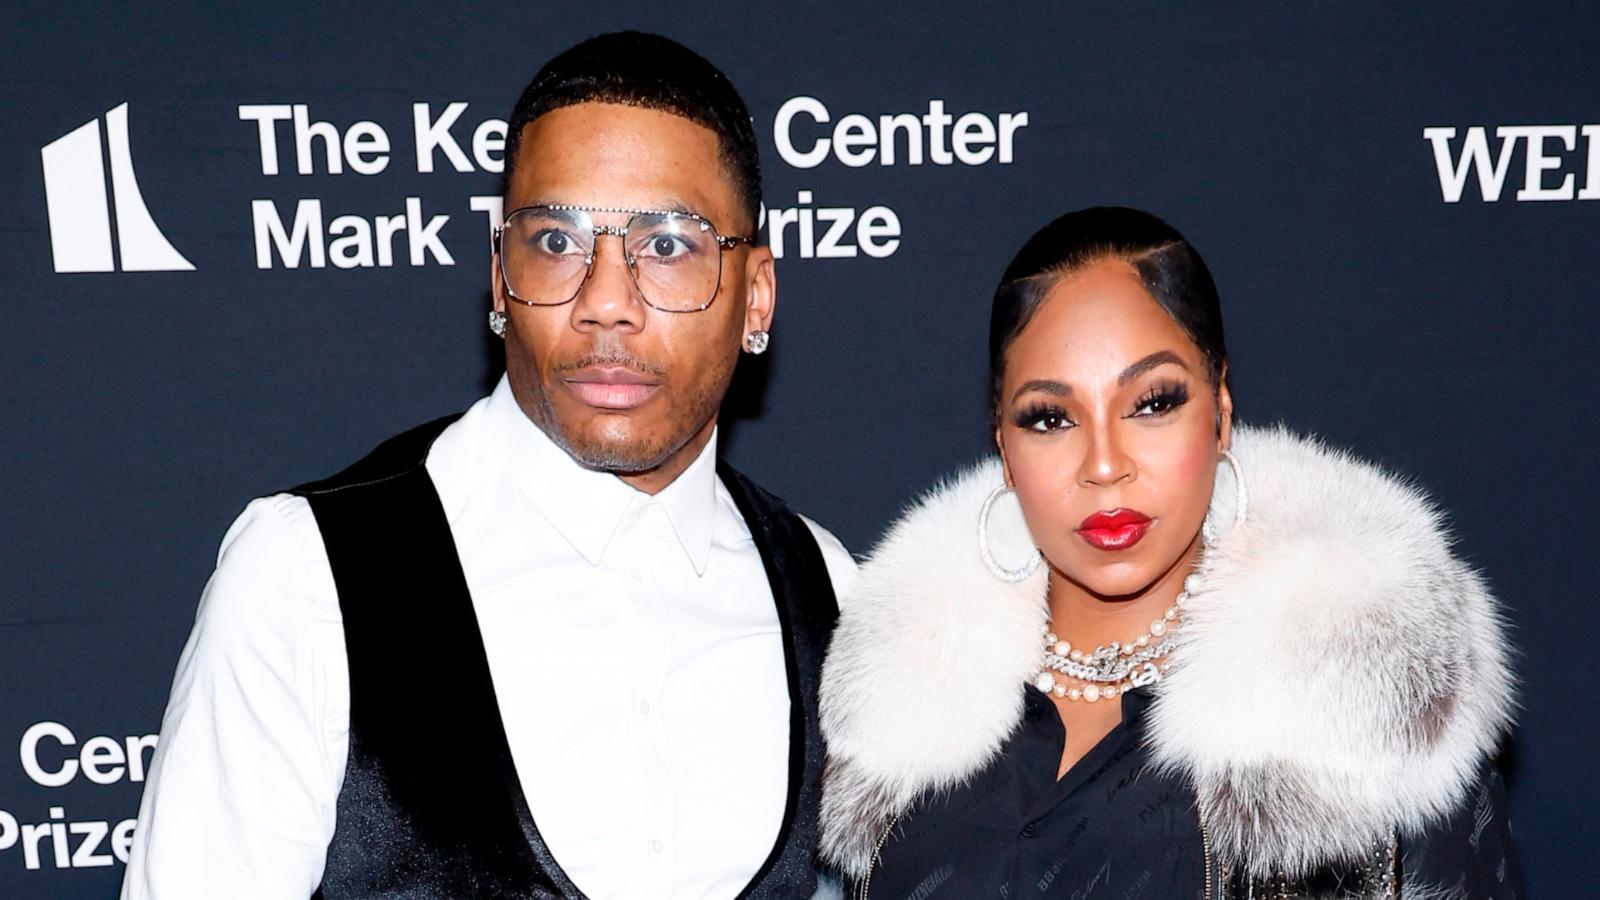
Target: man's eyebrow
[(1158, 358), (1044, 386)]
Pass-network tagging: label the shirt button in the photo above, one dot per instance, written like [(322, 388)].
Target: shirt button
[(1030, 830), (635, 574), (657, 847), (644, 707)]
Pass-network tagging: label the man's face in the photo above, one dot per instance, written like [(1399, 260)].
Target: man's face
[(620, 385)]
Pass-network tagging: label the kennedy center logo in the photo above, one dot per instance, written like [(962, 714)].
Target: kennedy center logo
[(80, 204)]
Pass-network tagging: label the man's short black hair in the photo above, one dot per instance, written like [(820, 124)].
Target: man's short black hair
[(652, 72)]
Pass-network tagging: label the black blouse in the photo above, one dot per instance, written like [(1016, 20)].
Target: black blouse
[(1115, 827)]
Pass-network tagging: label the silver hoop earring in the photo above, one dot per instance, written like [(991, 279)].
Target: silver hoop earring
[(497, 322), (1241, 500), (1010, 576), (756, 342)]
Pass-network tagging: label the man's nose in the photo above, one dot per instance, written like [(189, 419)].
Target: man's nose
[(609, 297)]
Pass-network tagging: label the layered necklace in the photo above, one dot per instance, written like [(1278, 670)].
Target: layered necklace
[(1113, 669)]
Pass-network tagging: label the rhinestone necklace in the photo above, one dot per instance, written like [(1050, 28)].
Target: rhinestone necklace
[(1110, 670)]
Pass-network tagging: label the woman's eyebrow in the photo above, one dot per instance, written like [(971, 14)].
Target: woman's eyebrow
[(1043, 385), (1158, 358)]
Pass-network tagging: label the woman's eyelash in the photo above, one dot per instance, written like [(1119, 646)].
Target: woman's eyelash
[(1159, 400), (1162, 399), (1042, 417)]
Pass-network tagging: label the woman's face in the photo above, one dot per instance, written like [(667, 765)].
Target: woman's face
[(1109, 431)]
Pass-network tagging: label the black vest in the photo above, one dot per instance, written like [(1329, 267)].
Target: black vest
[(431, 807)]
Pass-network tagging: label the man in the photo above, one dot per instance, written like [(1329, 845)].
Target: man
[(548, 649)]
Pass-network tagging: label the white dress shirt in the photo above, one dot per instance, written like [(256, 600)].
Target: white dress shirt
[(635, 650)]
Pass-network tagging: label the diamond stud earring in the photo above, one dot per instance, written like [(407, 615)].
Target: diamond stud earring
[(497, 322), (756, 342)]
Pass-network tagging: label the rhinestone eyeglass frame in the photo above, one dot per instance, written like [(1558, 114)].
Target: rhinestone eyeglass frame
[(723, 241)]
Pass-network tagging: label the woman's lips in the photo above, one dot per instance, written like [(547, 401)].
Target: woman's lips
[(1114, 529), (610, 387)]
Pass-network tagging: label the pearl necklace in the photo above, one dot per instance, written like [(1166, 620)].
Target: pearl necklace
[(1110, 670)]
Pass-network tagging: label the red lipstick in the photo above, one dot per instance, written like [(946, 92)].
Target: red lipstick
[(1114, 529)]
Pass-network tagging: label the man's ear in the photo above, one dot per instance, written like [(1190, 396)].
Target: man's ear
[(761, 290), (1224, 411), (496, 283)]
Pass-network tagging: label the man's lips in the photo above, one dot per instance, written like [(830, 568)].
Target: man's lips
[(1115, 529), (611, 387)]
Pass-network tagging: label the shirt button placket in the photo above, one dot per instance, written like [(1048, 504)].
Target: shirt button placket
[(650, 668)]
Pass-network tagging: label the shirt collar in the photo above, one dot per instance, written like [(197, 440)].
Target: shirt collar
[(587, 506)]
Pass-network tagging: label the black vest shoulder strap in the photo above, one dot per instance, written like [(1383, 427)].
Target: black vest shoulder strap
[(807, 611), (394, 457), (431, 806)]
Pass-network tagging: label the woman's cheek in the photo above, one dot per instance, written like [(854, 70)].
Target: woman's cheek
[(1194, 465), (1045, 491), (1187, 473)]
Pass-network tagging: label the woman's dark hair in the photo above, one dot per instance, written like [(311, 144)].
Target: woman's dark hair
[(1171, 269), (651, 72)]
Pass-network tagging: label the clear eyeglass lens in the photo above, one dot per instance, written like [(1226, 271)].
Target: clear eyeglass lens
[(673, 258), (545, 253)]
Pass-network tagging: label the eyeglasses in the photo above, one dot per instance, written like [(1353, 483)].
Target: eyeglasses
[(675, 258)]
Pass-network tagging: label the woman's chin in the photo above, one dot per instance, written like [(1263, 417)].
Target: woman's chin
[(1113, 581)]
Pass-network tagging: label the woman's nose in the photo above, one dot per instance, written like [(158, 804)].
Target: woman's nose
[(1106, 463)]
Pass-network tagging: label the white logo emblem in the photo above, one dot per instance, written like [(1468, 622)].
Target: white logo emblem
[(80, 207)]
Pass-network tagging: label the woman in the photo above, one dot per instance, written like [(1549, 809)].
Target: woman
[(1148, 653)]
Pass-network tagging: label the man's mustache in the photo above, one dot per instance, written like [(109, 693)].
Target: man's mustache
[(611, 354)]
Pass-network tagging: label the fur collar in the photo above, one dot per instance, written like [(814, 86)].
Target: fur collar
[(1339, 674)]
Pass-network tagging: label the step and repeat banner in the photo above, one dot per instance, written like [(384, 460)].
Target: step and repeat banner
[(243, 246)]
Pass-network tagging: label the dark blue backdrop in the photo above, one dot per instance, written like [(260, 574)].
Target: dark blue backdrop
[(1453, 341)]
